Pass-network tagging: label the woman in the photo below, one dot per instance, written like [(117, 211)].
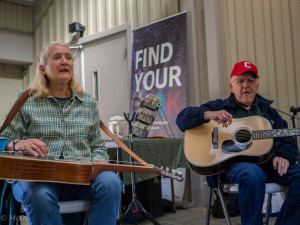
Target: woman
[(59, 120)]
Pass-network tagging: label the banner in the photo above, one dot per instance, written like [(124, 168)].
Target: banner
[(159, 68)]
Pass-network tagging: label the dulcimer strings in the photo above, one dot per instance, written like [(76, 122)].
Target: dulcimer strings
[(77, 159)]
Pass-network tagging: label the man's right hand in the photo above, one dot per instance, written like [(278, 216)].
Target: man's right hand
[(221, 116), (33, 146)]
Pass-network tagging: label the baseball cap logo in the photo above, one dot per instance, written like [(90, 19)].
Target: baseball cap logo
[(247, 64)]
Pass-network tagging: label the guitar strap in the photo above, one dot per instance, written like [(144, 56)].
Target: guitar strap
[(25, 95), (18, 104)]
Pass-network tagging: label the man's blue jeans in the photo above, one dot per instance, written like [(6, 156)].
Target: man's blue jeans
[(40, 199), (251, 179)]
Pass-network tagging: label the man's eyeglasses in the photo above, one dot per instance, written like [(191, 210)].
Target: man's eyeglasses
[(59, 58), (241, 81)]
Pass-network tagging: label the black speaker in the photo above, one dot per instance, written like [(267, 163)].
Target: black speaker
[(76, 27)]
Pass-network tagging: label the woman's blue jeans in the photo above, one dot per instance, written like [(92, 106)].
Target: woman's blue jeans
[(40, 199), (251, 179)]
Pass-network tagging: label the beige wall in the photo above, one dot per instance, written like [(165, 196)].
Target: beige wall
[(11, 82), (197, 91), (264, 32), (14, 19), (48, 20), (51, 23)]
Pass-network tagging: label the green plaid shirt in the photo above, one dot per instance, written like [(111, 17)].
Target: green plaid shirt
[(72, 131)]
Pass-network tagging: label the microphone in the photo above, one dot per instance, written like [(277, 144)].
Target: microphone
[(295, 110)]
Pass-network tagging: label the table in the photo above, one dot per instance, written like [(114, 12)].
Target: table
[(166, 152)]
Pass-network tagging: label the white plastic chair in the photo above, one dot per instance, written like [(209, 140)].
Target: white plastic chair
[(70, 207)]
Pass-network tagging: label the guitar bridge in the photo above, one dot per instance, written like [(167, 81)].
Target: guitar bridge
[(215, 138)]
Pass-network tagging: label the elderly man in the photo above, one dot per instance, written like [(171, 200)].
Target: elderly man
[(281, 168)]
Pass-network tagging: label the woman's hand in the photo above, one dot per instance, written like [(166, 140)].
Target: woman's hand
[(33, 146)]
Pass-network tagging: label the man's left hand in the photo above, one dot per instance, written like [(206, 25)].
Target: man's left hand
[(281, 165)]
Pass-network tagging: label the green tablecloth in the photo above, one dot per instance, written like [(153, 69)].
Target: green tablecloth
[(157, 151)]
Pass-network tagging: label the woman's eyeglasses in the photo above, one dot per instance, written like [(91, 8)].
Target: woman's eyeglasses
[(59, 58)]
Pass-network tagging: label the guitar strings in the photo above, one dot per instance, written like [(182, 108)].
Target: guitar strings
[(244, 134)]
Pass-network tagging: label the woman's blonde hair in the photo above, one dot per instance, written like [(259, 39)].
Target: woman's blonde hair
[(40, 84)]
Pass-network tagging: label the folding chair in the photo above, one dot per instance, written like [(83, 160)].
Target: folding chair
[(221, 188)]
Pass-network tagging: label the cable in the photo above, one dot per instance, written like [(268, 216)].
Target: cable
[(286, 113)]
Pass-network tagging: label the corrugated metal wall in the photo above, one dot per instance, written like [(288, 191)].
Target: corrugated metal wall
[(11, 82), (266, 33), (15, 17), (52, 22)]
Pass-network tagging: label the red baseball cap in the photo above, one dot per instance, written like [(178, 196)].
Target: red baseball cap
[(242, 67)]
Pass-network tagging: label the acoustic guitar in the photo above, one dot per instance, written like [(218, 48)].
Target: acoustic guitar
[(211, 148)]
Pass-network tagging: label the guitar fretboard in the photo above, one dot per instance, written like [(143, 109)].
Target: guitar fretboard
[(265, 134)]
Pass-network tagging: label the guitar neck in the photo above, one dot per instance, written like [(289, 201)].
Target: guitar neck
[(265, 134)]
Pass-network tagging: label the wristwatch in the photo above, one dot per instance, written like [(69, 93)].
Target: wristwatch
[(14, 144)]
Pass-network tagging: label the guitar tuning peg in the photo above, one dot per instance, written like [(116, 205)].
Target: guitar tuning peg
[(173, 171), (161, 167), (167, 169), (179, 173)]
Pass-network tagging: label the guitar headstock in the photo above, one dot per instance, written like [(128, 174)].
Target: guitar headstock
[(173, 174)]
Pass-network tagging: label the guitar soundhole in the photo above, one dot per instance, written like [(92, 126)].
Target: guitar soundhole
[(243, 136)]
